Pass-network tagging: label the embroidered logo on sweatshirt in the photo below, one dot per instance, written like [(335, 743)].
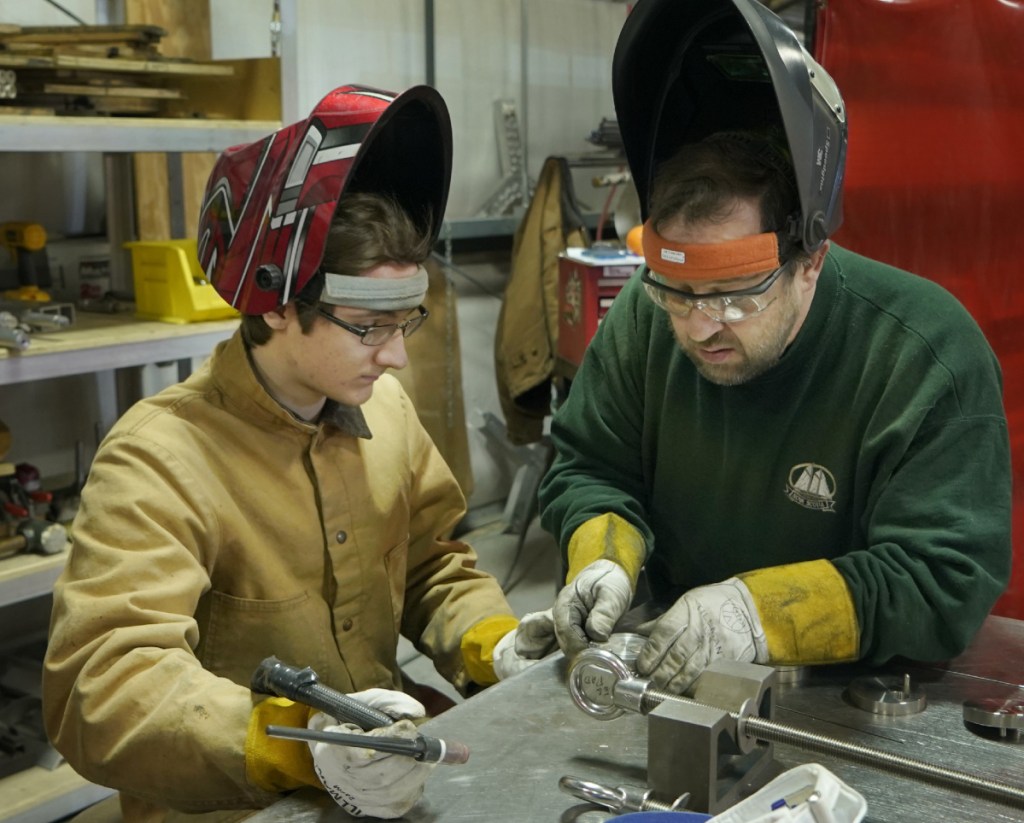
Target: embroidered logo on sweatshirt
[(812, 486)]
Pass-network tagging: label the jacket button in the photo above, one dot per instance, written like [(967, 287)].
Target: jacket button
[(347, 625), (341, 537)]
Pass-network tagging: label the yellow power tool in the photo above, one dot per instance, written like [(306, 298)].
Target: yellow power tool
[(27, 244)]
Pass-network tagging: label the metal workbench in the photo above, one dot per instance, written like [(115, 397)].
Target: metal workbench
[(526, 733)]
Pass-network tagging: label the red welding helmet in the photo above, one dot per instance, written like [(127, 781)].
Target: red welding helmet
[(684, 69), (269, 204)]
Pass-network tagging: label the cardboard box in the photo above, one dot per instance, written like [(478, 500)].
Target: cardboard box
[(588, 281)]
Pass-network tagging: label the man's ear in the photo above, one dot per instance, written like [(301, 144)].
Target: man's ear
[(809, 273), (279, 318)]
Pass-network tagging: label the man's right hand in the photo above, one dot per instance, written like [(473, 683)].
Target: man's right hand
[(365, 782), (589, 607)]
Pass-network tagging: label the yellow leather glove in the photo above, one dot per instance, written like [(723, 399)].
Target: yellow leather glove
[(606, 554), (478, 644), (807, 613), (275, 764)]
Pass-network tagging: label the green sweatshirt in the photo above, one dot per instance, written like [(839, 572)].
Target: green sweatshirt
[(878, 442)]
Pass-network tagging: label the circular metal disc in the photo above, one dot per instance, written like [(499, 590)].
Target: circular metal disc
[(889, 695), (1005, 715), (790, 675)]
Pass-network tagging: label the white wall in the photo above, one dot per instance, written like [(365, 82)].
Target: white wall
[(478, 48), (38, 13)]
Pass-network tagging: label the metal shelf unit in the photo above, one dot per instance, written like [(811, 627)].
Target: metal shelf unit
[(99, 345)]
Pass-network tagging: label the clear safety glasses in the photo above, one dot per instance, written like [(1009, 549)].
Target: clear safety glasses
[(722, 307), (378, 335)]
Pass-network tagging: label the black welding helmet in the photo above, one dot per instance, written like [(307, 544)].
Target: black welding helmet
[(684, 69)]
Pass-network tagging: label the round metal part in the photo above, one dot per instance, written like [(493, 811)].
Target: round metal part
[(1005, 716), (889, 695), (625, 646), (790, 675), (592, 679)]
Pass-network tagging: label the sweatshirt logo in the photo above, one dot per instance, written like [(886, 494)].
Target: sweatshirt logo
[(812, 486)]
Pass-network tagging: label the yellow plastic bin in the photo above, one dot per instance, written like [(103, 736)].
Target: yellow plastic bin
[(171, 286)]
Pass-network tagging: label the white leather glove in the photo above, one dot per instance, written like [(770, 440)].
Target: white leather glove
[(589, 607), (368, 783), (531, 640), (705, 624)]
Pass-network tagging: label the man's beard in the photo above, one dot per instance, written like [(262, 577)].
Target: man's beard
[(763, 354)]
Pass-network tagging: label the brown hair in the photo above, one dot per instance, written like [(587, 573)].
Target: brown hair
[(368, 229), (701, 182)]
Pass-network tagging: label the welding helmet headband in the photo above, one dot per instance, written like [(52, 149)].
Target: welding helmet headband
[(683, 70), (268, 205)]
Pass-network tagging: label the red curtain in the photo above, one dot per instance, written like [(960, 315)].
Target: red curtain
[(934, 91)]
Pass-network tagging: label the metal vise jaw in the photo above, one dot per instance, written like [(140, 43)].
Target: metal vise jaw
[(694, 743)]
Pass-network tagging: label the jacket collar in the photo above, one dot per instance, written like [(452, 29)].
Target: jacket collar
[(235, 376)]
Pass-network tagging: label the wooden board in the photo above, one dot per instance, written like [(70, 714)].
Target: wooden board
[(104, 90), (186, 23), (43, 34)]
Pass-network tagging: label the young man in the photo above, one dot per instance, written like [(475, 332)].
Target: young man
[(805, 449), (284, 500)]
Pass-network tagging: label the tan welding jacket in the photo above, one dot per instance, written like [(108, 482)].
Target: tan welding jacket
[(215, 530)]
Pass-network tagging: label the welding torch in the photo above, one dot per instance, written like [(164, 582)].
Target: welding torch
[(303, 686)]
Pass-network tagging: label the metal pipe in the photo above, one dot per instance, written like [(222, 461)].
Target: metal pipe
[(429, 41)]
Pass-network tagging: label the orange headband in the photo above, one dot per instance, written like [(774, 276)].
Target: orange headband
[(710, 261)]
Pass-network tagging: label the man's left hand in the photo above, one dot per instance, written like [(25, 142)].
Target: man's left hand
[(707, 623), (533, 639)]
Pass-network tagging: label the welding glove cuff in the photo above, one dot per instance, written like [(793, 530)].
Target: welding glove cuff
[(719, 621), (479, 645), (807, 612), (605, 555), (271, 763), (365, 782), (519, 649)]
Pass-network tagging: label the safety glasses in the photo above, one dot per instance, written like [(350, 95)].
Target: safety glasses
[(378, 335), (722, 307)]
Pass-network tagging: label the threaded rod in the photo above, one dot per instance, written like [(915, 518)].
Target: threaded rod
[(772, 731)]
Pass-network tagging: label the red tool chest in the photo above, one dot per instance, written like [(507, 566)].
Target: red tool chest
[(588, 280)]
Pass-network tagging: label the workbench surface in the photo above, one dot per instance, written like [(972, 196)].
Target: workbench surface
[(525, 733), (109, 341)]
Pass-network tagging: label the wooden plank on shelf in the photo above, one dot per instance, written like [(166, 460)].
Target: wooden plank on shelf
[(64, 34), (25, 61), (92, 330), (107, 90), (30, 111), (187, 23), (162, 67)]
